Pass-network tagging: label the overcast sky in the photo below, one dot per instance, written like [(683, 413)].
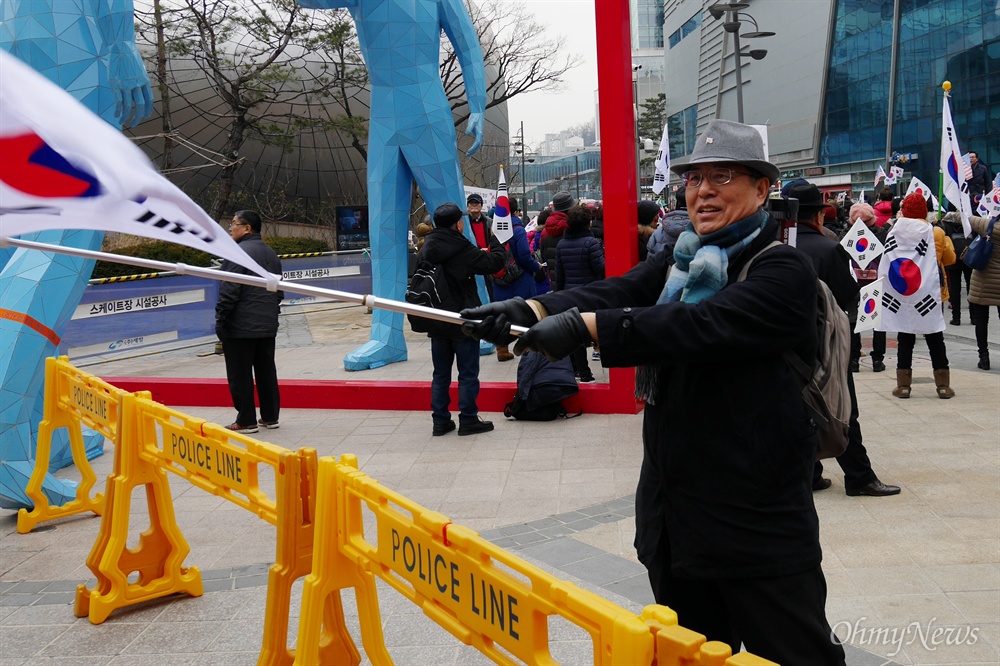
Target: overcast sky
[(551, 112)]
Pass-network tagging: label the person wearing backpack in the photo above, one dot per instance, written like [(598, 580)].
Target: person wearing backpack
[(725, 520), (508, 285), (446, 246), (833, 264)]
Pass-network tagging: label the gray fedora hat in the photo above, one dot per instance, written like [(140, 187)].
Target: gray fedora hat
[(726, 141)]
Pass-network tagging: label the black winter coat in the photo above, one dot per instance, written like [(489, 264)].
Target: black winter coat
[(725, 488), (579, 260), (462, 261), (243, 311), (833, 266)]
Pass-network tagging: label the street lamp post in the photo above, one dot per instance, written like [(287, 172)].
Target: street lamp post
[(732, 25)]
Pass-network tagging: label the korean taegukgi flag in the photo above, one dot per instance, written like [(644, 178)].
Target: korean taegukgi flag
[(954, 169), (63, 167), (862, 244), (989, 203), (917, 185), (895, 173), (503, 228), (869, 307), (911, 295), (662, 162)]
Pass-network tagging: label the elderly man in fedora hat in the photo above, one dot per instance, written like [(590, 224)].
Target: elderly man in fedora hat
[(725, 521)]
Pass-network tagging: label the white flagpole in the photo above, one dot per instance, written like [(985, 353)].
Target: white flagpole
[(367, 300)]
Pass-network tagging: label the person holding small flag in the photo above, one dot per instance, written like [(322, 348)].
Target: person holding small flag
[(524, 284), (865, 275)]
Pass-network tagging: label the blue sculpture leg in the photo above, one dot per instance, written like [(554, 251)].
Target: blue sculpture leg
[(47, 288), (389, 185)]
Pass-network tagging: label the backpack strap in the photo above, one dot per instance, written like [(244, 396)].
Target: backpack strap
[(791, 357)]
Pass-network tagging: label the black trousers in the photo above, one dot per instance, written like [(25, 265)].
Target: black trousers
[(935, 345), (955, 273), (980, 315), (878, 346), (248, 359), (580, 364), (854, 460), (781, 618)]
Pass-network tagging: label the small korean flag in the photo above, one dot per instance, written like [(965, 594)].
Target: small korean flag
[(502, 226), (869, 307), (862, 245)]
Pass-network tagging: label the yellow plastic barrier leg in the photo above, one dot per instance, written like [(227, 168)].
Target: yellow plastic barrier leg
[(678, 646), (54, 418), (332, 572), (296, 495), (160, 553)]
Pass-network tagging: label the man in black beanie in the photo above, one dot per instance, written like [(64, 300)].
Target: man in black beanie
[(462, 261)]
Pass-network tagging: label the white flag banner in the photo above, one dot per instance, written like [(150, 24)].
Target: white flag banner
[(862, 244), (63, 167), (869, 307), (879, 175), (503, 228), (911, 298), (662, 162), (917, 185), (895, 173), (955, 187)]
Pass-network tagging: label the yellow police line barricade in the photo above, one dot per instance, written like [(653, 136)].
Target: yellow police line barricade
[(227, 465), (678, 646), (71, 398), (478, 592)]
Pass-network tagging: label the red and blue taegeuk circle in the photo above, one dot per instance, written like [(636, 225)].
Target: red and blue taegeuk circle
[(861, 245), (870, 306), (905, 276), (502, 208), (31, 166)]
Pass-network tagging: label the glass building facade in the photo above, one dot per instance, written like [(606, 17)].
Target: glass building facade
[(647, 24), (938, 40)]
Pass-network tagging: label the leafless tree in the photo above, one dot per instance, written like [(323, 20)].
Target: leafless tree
[(260, 58), (520, 56)]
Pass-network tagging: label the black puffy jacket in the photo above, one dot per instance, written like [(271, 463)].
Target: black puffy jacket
[(579, 260), (243, 311)]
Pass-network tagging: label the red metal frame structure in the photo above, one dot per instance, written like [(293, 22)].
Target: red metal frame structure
[(618, 172)]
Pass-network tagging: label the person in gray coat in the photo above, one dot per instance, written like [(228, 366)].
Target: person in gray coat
[(246, 321), (671, 226)]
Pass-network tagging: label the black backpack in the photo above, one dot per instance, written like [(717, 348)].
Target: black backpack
[(541, 386), (430, 287)]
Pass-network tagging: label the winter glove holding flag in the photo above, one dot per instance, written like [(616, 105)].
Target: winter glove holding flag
[(496, 319), (557, 336)]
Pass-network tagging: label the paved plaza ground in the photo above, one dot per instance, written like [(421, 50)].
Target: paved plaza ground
[(558, 494)]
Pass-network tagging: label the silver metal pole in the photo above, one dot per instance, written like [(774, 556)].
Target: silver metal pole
[(254, 281), (739, 68)]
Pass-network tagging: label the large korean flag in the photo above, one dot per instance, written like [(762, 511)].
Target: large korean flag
[(911, 298), (869, 307), (62, 167), (502, 226), (862, 244)]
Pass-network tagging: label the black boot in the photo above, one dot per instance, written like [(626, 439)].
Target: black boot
[(984, 360)]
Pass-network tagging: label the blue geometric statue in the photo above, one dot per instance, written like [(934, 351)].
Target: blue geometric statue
[(411, 136), (87, 47)]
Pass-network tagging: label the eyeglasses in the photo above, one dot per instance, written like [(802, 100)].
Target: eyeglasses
[(238, 224), (716, 176)]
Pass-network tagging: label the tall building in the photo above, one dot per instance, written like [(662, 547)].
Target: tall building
[(844, 84), (647, 47)]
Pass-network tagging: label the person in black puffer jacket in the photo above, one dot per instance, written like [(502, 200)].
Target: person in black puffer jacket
[(246, 321), (579, 261), (555, 227)]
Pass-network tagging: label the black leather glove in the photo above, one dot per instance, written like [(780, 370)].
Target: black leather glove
[(556, 336), (541, 274), (496, 320)]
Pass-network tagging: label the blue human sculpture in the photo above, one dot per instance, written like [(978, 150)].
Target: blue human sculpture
[(411, 136), (87, 47)]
